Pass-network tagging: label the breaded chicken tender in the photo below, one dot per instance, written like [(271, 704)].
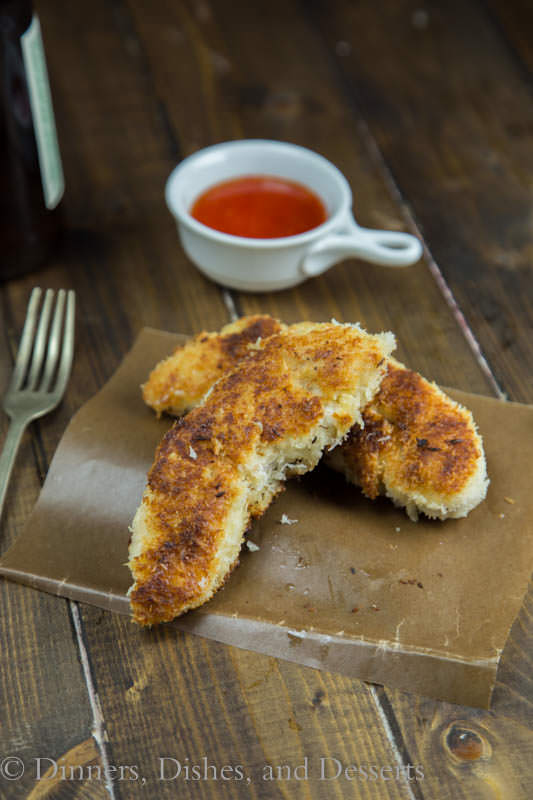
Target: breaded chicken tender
[(417, 446), (291, 397), (179, 382)]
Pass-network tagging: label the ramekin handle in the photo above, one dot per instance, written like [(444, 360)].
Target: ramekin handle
[(390, 248)]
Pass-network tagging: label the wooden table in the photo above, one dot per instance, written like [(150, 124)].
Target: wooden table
[(427, 110)]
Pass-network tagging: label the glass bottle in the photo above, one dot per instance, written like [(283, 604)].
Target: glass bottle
[(31, 174)]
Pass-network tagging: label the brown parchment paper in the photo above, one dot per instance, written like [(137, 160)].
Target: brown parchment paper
[(352, 586)]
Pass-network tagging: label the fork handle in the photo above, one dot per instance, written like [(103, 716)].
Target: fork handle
[(7, 459)]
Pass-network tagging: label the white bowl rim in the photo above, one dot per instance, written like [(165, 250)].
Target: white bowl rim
[(248, 242)]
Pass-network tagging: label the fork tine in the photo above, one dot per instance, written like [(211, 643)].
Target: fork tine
[(40, 340), (26, 341), (67, 350), (54, 340)]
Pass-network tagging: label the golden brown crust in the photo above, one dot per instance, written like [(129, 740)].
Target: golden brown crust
[(179, 382), (417, 445), (203, 486), (186, 527), (414, 437)]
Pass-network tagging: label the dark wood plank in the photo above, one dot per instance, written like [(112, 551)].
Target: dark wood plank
[(515, 23), (442, 99), (76, 775), (166, 694), (121, 251), (473, 756), (513, 693)]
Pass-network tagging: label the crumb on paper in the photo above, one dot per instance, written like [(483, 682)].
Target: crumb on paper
[(374, 607), (252, 546), (397, 530), (296, 635), (412, 582), (501, 516), (510, 500), (285, 520), (192, 452)]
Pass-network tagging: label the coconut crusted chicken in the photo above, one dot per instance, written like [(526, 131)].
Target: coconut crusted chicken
[(179, 382), (417, 445), (292, 396)]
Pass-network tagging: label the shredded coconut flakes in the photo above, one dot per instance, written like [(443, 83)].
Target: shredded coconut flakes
[(286, 521)]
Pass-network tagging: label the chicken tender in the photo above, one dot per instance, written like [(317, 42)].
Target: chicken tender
[(294, 395), (179, 382), (417, 446)]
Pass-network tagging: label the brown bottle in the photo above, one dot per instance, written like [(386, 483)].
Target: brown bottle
[(31, 175)]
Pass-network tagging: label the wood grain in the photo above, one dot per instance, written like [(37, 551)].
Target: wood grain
[(121, 248), (466, 753), (514, 22), (189, 697), (442, 105)]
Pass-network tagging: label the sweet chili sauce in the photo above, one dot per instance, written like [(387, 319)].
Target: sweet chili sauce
[(259, 207)]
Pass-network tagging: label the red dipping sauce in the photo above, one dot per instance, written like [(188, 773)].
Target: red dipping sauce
[(259, 207)]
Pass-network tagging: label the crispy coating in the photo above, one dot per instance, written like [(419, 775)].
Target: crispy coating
[(293, 395), (417, 446), (203, 360)]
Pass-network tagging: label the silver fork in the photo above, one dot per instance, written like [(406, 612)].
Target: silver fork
[(41, 371)]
